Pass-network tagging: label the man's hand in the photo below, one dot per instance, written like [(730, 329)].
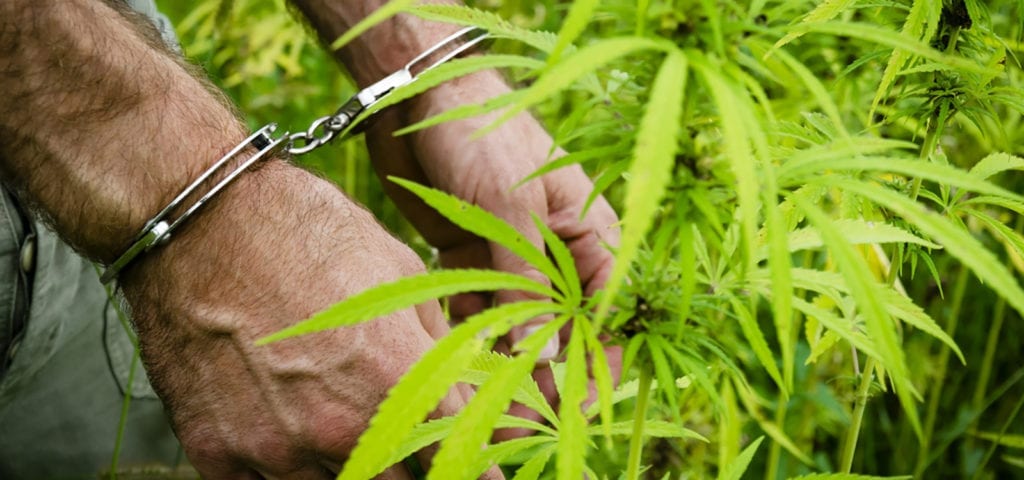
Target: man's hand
[(250, 267), (483, 171), (99, 128)]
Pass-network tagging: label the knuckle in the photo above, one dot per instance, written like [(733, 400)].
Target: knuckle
[(333, 437), (204, 449)]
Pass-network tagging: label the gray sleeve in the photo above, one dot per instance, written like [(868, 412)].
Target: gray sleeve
[(162, 24)]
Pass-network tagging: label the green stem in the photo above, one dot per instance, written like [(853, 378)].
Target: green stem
[(775, 453), (641, 16), (636, 443), (998, 314), (937, 384), (863, 391), (123, 422), (991, 343), (931, 140)]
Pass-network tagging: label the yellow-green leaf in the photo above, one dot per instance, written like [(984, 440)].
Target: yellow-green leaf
[(406, 292), (651, 169)]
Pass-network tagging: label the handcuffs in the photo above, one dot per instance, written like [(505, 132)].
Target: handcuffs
[(321, 131)]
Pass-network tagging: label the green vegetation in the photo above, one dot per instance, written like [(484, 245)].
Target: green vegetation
[(821, 235)]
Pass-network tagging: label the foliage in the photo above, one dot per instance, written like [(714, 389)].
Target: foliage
[(818, 205)]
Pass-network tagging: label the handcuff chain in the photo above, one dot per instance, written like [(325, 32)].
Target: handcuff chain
[(330, 126), (305, 142)]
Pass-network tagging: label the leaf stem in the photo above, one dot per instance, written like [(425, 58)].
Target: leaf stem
[(636, 443), (850, 443)]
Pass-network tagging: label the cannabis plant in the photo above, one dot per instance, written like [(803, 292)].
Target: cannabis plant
[(819, 209)]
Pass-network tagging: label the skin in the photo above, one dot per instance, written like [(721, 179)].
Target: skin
[(482, 171), (100, 127)]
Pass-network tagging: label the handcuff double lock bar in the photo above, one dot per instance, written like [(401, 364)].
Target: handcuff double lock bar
[(320, 132)]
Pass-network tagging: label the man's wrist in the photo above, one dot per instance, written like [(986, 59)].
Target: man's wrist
[(259, 225), (380, 50)]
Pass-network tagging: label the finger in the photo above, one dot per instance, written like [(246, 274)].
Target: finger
[(432, 319), (589, 237), (472, 254)]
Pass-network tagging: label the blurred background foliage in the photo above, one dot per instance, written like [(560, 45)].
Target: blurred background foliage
[(273, 68)]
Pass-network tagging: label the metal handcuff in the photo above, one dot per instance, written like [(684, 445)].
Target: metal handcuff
[(320, 132)]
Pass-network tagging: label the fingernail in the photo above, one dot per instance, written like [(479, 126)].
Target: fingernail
[(550, 350)]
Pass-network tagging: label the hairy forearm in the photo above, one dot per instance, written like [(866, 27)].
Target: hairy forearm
[(380, 50), (99, 126)]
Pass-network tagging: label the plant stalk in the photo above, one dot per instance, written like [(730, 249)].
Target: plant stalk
[(931, 140), (636, 443), (775, 453), (959, 290), (850, 443), (991, 343)]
